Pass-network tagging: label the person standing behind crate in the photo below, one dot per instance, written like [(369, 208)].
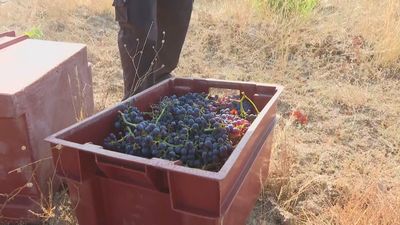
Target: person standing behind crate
[(150, 39)]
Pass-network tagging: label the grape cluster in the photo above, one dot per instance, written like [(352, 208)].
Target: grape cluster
[(238, 105), (197, 129)]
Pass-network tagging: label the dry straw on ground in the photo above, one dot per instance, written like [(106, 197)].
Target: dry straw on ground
[(339, 64)]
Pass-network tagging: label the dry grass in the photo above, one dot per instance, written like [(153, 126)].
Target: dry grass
[(340, 66)]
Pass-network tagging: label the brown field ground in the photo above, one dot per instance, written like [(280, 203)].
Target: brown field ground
[(339, 65)]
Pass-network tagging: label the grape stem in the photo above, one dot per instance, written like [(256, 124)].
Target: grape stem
[(251, 102), (125, 120), (120, 140), (172, 145), (161, 114), (242, 112), (124, 137), (130, 131), (201, 110), (166, 143), (209, 129)]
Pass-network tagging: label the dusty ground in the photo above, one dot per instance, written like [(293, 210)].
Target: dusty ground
[(339, 65)]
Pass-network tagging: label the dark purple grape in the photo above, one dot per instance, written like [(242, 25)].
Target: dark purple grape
[(183, 159), (192, 151), (208, 144), (162, 146), (197, 163), (184, 151), (155, 153), (178, 150), (215, 152), (171, 155), (149, 139), (204, 155), (195, 126), (117, 125), (189, 145)]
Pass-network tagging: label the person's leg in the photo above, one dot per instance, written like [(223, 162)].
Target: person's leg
[(173, 17), (136, 38)]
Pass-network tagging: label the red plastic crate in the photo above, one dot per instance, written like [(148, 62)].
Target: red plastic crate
[(44, 85), (114, 188)]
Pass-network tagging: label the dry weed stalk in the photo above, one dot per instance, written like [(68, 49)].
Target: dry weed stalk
[(46, 203), (138, 52), (80, 97), (367, 201)]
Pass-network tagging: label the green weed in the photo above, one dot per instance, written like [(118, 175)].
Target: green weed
[(287, 7), (35, 33)]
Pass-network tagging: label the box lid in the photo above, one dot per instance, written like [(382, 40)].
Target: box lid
[(24, 62)]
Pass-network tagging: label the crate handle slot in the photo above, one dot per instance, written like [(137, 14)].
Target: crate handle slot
[(137, 168), (125, 171)]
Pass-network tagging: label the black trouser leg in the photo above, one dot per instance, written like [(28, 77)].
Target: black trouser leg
[(141, 29), (136, 38), (173, 17)]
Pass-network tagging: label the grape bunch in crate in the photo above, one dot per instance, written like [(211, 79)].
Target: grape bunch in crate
[(197, 129)]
